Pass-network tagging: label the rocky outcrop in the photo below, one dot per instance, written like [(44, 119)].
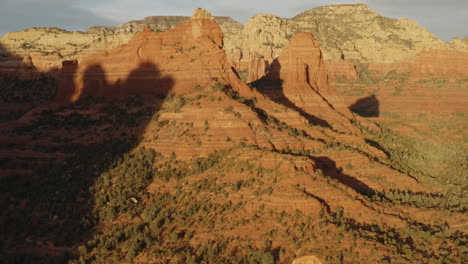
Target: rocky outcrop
[(178, 60), (47, 47), (257, 68), (443, 62), (303, 74), (341, 69), (428, 62), (356, 32), (161, 24), (11, 64), (229, 26), (346, 33), (459, 44), (307, 260), (266, 35), (380, 69)]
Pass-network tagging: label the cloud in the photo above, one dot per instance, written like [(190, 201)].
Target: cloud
[(446, 19), (21, 14), (122, 11)]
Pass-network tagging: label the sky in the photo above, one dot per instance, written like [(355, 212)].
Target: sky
[(445, 18)]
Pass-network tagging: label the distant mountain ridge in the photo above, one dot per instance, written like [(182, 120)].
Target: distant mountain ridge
[(156, 23), (349, 35)]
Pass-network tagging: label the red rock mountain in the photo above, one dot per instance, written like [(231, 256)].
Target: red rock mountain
[(268, 171), (257, 68), (190, 54), (303, 72)]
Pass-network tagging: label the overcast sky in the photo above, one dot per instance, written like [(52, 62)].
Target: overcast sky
[(445, 18)]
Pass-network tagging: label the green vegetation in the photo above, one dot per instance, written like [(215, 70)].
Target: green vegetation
[(23, 94), (100, 192), (36, 91), (442, 166), (244, 75), (370, 81)]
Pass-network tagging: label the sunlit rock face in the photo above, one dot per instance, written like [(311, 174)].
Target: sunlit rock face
[(191, 54)]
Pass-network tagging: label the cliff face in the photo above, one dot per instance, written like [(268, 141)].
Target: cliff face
[(459, 44), (356, 32), (191, 54), (161, 24), (303, 74), (266, 35), (47, 47), (347, 34), (351, 32), (443, 62)]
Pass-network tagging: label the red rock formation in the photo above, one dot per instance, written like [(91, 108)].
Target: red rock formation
[(433, 85), (440, 62), (380, 69), (305, 81), (257, 68), (443, 62), (180, 59), (16, 65), (341, 69)]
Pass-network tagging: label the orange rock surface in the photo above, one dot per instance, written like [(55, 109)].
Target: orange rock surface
[(380, 69), (303, 72), (257, 67), (341, 69), (444, 62), (178, 60), (439, 62)]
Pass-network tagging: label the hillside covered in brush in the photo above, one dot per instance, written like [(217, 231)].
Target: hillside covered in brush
[(159, 151)]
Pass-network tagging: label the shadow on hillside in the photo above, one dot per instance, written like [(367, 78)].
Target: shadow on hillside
[(50, 210), (6, 55), (328, 166), (324, 203), (376, 145), (272, 87), (366, 107), (22, 88)]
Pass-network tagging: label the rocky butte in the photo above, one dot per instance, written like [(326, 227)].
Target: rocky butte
[(191, 54)]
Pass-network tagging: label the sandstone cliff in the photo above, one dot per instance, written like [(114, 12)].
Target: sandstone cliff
[(459, 44), (350, 32), (47, 47), (347, 34), (188, 59), (191, 54), (442, 62), (302, 73), (356, 32)]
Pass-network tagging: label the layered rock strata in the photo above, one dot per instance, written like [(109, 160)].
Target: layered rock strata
[(347, 33), (178, 60)]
